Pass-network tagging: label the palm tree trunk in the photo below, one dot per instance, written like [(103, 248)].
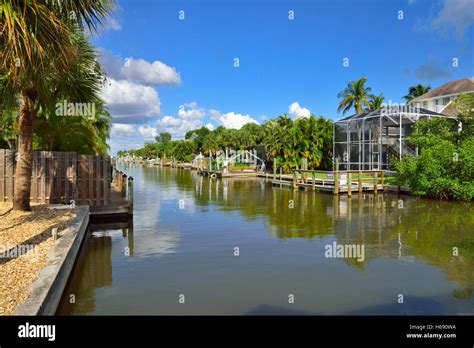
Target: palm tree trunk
[(24, 164)]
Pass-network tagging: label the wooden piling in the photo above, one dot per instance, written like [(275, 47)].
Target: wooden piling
[(383, 182), (375, 182), (274, 168), (349, 183), (360, 181), (124, 185), (130, 195)]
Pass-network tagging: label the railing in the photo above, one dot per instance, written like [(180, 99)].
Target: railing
[(124, 184), (340, 178)]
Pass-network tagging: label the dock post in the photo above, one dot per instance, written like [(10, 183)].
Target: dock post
[(375, 182), (295, 179), (336, 178), (349, 183), (274, 169), (360, 181), (281, 173), (130, 195), (113, 169), (124, 185), (383, 182), (313, 183), (119, 180)]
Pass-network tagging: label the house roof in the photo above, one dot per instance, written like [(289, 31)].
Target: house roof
[(453, 87), (391, 110), (450, 110)]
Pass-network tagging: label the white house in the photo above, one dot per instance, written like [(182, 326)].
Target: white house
[(438, 99)]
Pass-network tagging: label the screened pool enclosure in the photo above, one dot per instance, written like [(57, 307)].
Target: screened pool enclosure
[(367, 140)]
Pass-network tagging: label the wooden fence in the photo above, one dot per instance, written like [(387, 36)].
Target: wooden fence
[(60, 177)]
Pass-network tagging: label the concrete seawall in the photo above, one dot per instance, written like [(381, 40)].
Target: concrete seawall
[(47, 290)]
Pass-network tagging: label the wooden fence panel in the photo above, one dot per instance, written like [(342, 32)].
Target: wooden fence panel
[(59, 177)]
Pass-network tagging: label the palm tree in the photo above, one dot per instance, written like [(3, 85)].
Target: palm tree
[(271, 139), (210, 144), (416, 91), (33, 34), (376, 101), (355, 95)]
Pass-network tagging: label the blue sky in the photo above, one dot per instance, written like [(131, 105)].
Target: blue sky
[(168, 74)]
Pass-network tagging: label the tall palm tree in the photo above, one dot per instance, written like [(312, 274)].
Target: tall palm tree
[(376, 101), (210, 144), (32, 35), (355, 95), (416, 91)]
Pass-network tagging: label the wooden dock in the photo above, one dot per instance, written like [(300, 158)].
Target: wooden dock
[(230, 174), (367, 181), (121, 199)]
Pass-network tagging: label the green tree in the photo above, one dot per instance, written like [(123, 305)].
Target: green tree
[(464, 105), (163, 138), (416, 91), (355, 95), (376, 101), (32, 35), (184, 150), (198, 136), (445, 165), (211, 144)]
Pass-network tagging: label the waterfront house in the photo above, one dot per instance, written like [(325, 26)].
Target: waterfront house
[(440, 99), (367, 140)]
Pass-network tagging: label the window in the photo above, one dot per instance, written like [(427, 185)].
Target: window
[(425, 104), (445, 101)]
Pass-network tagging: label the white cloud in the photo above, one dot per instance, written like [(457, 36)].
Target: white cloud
[(122, 130), (130, 102), (156, 73), (138, 70), (189, 117), (296, 111), (113, 24), (111, 64), (176, 126), (456, 14), (129, 90), (147, 132), (231, 119), (191, 111), (210, 126)]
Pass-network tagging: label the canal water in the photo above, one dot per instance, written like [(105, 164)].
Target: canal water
[(240, 246)]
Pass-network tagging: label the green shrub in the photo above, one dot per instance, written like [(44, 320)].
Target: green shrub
[(445, 165)]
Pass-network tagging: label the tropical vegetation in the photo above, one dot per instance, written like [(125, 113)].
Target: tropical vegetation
[(444, 167), (357, 95), (416, 91), (47, 58), (283, 139)]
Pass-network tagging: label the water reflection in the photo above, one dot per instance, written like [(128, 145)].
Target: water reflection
[(184, 224)]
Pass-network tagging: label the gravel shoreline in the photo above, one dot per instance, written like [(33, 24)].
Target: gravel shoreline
[(25, 241)]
